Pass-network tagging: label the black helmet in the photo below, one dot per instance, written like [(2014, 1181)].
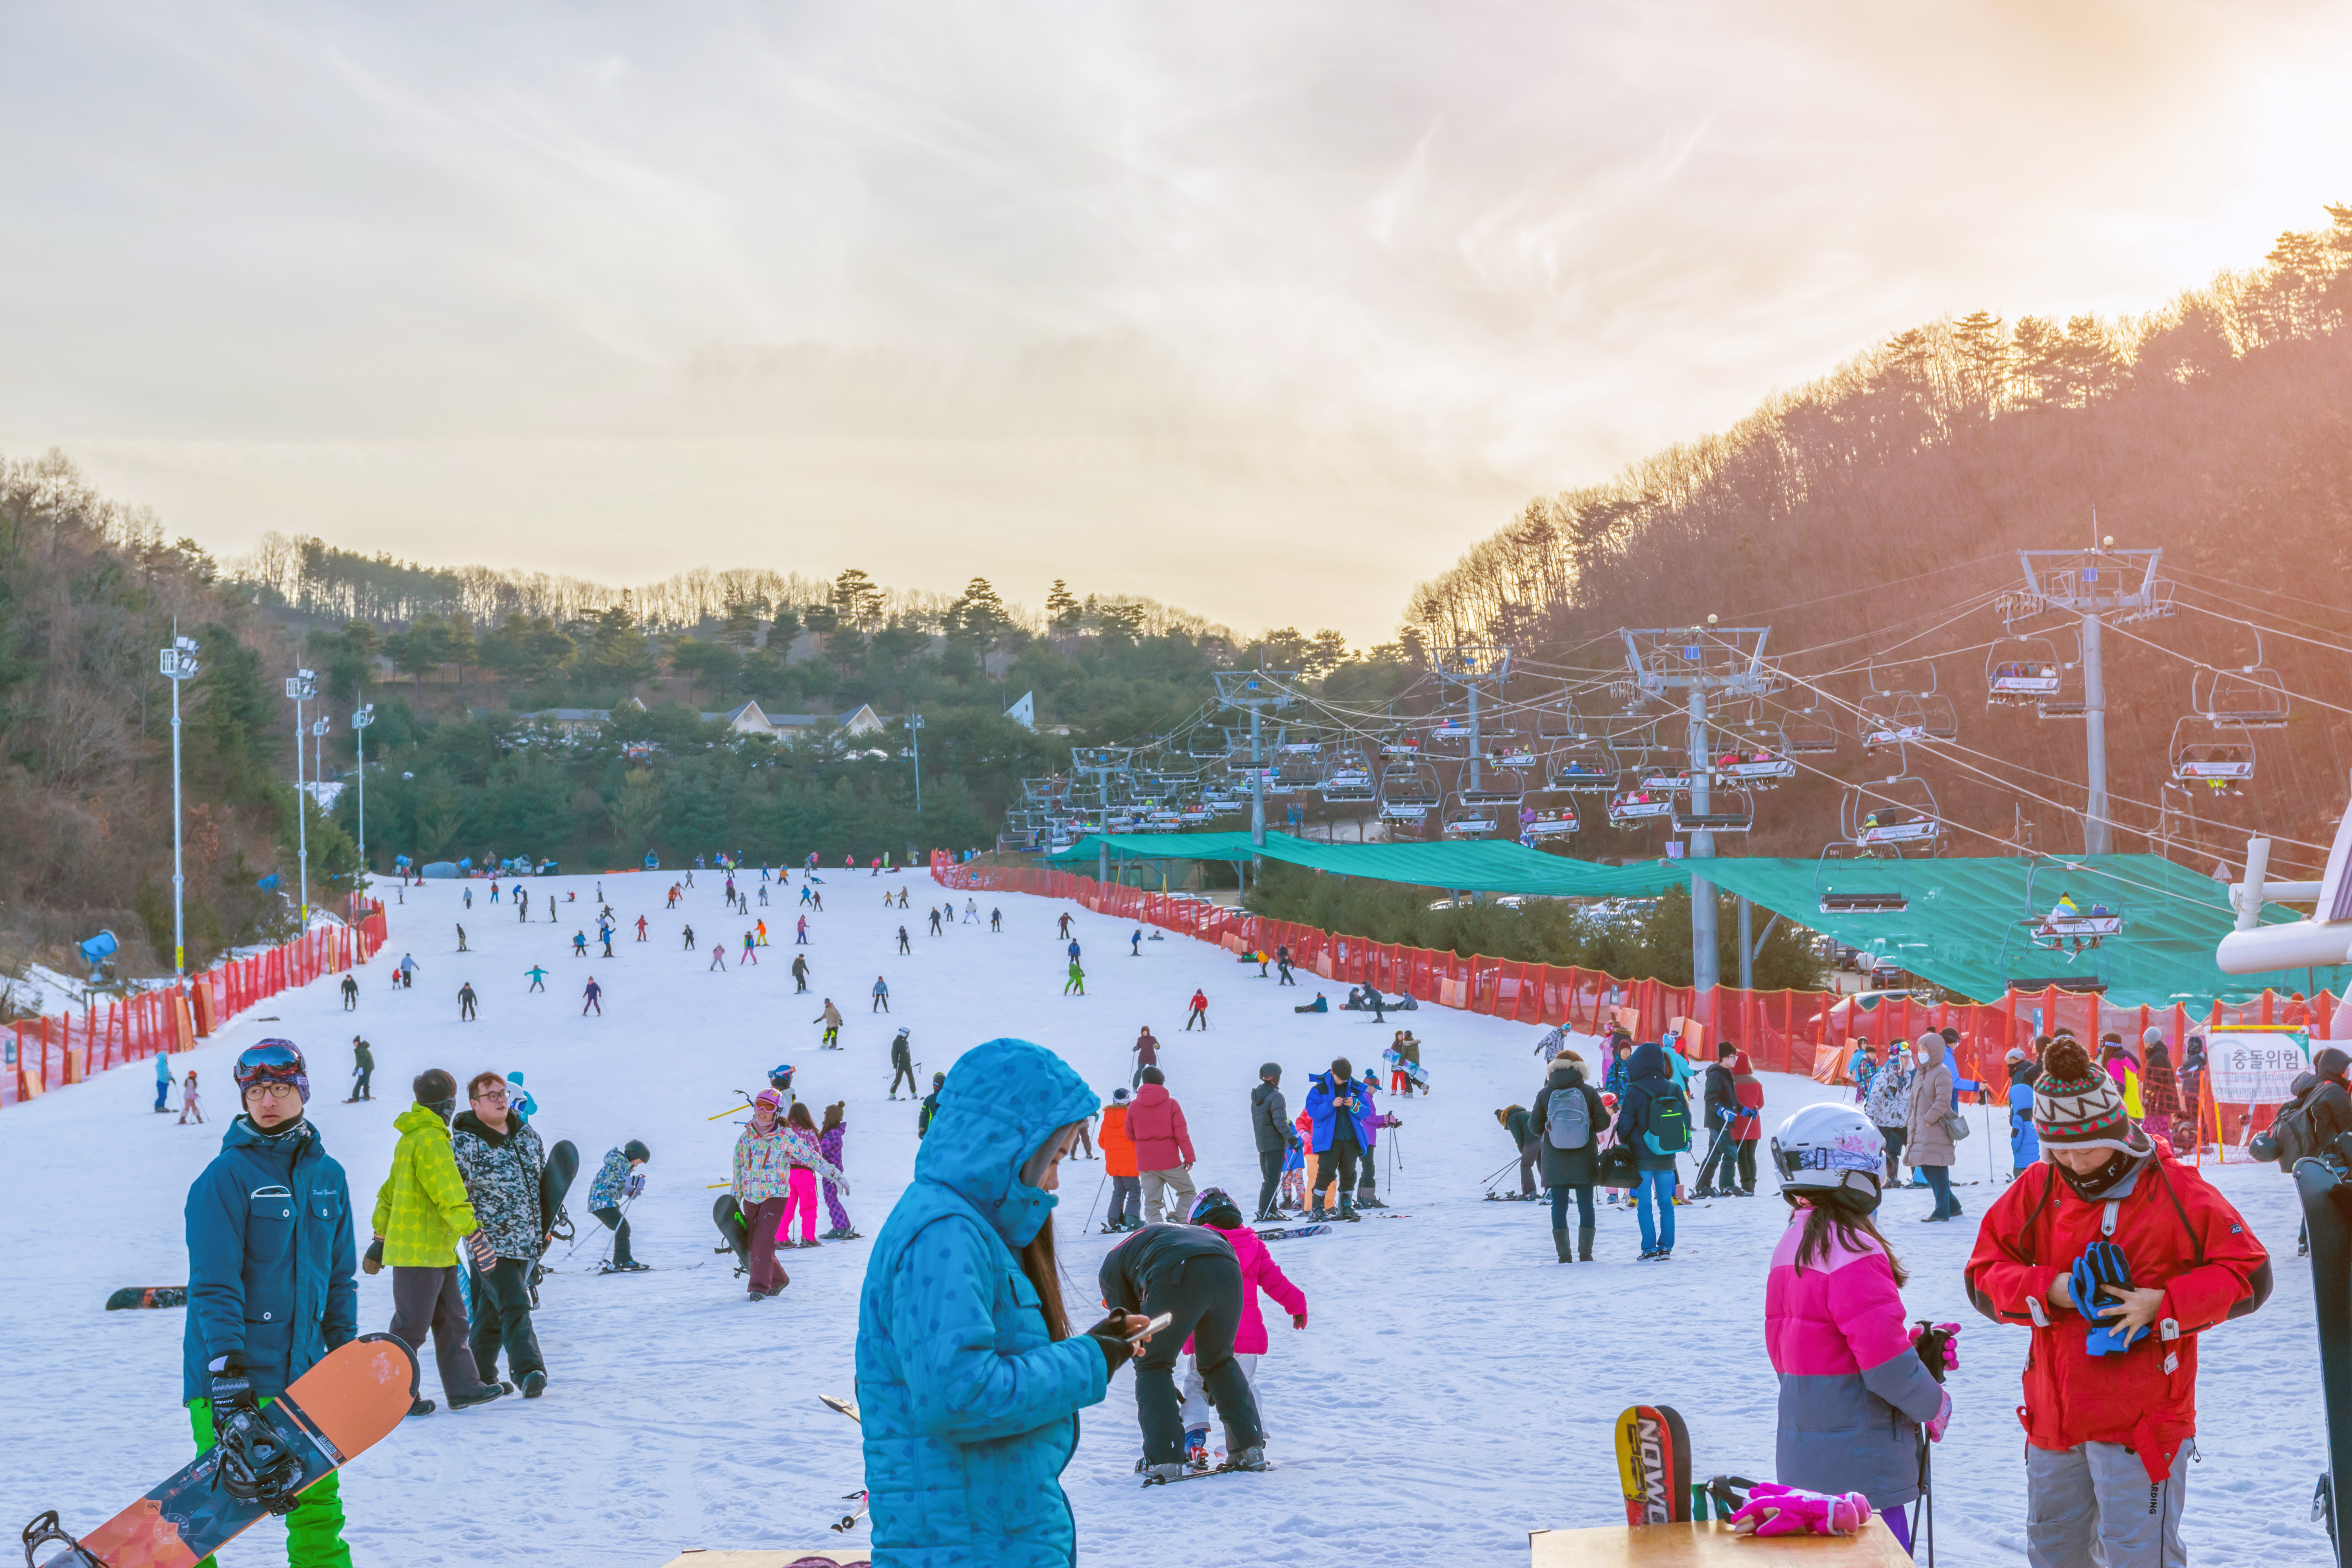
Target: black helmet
[(1215, 1208), (635, 1150), (1270, 1070)]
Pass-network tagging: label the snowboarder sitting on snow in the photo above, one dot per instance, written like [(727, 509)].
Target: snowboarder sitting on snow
[(1857, 1389), (1217, 1212), (1191, 1273), (2118, 1256), (270, 1286), (962, 1294), (1318, 1006), (619, 1178)]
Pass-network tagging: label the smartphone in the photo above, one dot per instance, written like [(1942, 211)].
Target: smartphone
[(1153, 1327)]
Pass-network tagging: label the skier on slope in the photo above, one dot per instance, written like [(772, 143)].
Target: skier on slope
[(2118, 1256), (1857, 1390), (619, 1180), (1191, 1273), (269, 1293), (1219, 1212), (829, 1143), (831, 1019), (902, 1063)]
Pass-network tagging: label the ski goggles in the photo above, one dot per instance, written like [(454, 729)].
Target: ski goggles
[(1820, 1157), (269, 1062)]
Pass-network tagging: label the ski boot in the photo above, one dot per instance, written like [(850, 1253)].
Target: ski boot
[(1250, 1458), (1196, 1451), (1161, 1475), (1348, 1211)]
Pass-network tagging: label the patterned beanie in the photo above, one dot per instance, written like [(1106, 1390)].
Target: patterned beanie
[(2076, 1105)]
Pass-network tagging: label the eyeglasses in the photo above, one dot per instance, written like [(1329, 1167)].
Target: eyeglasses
[(270, 1089), (492, 1097)]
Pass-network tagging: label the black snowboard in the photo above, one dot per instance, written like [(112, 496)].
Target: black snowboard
[(727, 1215), (2327, 1208), (556, 1181), (147, 1296)]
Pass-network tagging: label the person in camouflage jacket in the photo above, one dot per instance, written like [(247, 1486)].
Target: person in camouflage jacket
[(501, 1158)]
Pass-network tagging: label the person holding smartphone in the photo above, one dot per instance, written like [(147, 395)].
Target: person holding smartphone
[(970, 1380)]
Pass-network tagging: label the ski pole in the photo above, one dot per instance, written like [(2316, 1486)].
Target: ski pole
[(1095, 1199), (1508, 1165)]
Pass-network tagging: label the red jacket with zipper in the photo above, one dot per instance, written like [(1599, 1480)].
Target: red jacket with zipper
[(1156, 1122), (2177, 1233)]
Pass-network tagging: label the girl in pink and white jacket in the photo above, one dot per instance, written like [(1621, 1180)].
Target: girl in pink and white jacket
[(1217, 1211), (1855, 1392)]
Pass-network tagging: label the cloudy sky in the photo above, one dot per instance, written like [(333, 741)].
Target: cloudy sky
[(1263, 309)]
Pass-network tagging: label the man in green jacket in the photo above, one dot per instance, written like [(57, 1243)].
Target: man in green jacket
[(421, 1212)]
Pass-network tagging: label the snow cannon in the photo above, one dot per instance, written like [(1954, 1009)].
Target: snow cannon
[(268, 884), (96, 952), (402, 862), (466, 864), (2321, 941), (653, 861)]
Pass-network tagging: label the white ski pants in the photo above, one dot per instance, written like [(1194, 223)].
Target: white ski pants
[(1197, 1412)]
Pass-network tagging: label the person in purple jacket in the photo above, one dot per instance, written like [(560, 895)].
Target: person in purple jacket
[(1856, 1393)]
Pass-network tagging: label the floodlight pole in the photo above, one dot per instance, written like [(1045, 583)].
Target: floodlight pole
[(301, 686), (915, 730), (2090, 585), (359, 723), (179, 663)]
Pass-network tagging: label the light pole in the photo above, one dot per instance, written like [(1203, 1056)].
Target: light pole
[(915, 729), (318, 728), (179, 663), (359, 723), (302, 686)]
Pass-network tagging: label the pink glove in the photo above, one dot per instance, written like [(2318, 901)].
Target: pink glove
[(1775, 1510), (1951, 1333), (1943, 1418)]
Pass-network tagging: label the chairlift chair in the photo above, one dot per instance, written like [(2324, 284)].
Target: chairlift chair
[(1892, 816), (1660, 777), (1811, 732), (1887, 718), (2069, 925), (1761, 760), (1466, 818), (2019, 671), (1512, 749), (1727, 811), (1549, 822), (1408, 792), (2218, 756), (1495, 787), (1348, 782), (1561, 721), (1848, 882), (1400, 744), (1634, 805), (1581, 768), (2253, 698)]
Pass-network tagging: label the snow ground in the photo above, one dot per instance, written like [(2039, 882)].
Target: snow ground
[(1455, 1390)]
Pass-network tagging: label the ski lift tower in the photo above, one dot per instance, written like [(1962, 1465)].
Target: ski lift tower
[(1258, 691), (2094, 583), (1100, 762), (1473, 669), (1697, 661)]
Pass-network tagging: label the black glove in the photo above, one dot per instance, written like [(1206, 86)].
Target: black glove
[(372, 1260), (231, 1390), (1117, 1350)]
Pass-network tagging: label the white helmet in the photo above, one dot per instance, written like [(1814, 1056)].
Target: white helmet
[(1830, 1147)]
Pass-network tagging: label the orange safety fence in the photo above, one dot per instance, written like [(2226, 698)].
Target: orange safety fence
[(1807, 1032), (42, 1053)]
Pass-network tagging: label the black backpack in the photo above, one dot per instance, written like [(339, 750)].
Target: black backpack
[(2292, 1136)]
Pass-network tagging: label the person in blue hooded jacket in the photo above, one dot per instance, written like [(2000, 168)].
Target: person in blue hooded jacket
[(1653, 1120), (1340, 1116), (271, 1260), (968, 1379)]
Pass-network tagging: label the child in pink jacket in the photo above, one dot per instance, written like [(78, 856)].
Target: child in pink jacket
[(1259, 1273), (1856, 1394)]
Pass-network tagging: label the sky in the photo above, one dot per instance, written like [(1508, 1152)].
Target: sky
[(1268, 311)]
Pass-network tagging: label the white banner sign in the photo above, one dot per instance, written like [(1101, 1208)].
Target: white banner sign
[(2253, 1067)]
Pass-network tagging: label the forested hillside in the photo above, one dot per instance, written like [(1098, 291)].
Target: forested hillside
[(1875, 514)]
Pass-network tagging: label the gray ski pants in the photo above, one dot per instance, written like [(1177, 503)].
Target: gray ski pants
[(2092, 1503)]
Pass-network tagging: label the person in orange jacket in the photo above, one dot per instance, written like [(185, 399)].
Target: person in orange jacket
[(2119, 1256), (1118, 1163)]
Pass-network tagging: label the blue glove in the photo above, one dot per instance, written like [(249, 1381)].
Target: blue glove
[(2109, 1273)]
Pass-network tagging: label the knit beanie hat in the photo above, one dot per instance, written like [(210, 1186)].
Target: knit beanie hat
[(2077, 1105)]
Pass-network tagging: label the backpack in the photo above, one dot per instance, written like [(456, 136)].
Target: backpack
[(1669, 1124), (2291, 1132), (1568, 1120)]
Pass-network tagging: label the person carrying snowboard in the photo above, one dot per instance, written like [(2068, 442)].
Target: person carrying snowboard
[(421, 1216), (1858, 1390), (1653, 1119), (1190, 1273), (962, 1294), (271, 1286), (831, 1019), (1563, 1128), (902, 1063), (1217, 1212), (501, 1157), (362, 1072), (618, 1182), (2119, 1256)]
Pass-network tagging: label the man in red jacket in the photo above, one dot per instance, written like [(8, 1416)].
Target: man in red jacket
[(1163, 1149), (2118, 1256)]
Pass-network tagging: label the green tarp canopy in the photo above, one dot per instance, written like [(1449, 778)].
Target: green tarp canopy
[(1967, 923), (1480, 865)]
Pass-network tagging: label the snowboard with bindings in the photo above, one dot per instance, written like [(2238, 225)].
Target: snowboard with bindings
[(1653, 1465), (2323, 1183), (333, 1413), (132, 1296), (727, 1215), (1411, 1070), (1293, 1233)]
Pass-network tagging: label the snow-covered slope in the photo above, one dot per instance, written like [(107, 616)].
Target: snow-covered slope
[(1455, 1390)]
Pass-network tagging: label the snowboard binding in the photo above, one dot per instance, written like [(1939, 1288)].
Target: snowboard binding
[(257, 1463), (46, 1531)]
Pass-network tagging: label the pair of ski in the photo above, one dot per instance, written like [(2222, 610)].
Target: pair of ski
[(1653, 1467)]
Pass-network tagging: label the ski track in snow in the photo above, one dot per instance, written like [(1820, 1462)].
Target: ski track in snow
[(1456, 1389)]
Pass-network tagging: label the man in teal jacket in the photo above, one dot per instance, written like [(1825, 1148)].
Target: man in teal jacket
[(270, 1263), (969, 1380)]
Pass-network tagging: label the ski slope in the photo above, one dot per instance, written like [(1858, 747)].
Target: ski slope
[(1455, 1390)]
